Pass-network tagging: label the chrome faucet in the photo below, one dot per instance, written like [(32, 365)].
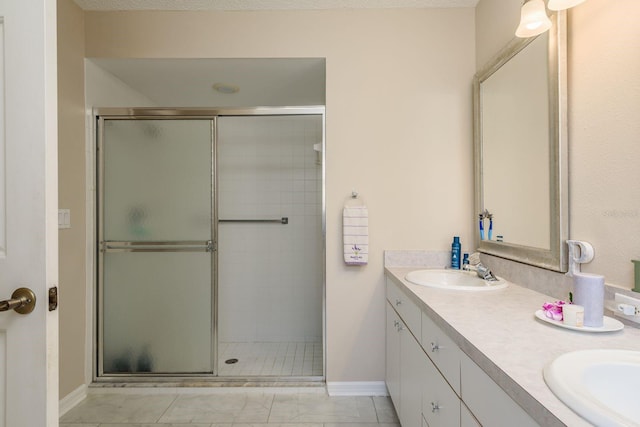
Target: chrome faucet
[(481, 270)]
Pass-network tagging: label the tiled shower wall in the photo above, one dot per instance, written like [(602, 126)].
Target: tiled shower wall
[(269, 275)]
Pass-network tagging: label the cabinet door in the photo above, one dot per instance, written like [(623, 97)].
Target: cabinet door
[(392, 376), (487, 401), (466, 418), (440, 404), (408, 310), (444, 353), (412, 368)]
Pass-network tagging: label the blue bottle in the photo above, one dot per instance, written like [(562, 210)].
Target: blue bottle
[(455, 253)]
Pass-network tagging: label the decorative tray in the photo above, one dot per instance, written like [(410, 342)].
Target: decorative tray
[(609, 324)]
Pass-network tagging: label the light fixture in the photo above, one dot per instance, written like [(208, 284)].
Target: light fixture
[(563, 4), (533, 19)]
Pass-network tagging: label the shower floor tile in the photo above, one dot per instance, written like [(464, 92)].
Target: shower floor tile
[(270, 359)]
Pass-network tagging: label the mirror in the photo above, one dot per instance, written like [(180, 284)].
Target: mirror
[(520, 138)]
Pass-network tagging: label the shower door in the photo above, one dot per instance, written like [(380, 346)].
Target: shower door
[(156, 237), (270, 246)]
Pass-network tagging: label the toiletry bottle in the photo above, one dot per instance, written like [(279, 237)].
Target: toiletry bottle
[(490, 216), (465, 260), (455, 253)]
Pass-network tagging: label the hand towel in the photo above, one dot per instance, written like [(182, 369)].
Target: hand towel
[(355, 231)]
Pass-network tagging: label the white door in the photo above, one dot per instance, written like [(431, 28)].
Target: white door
[(28, 211)]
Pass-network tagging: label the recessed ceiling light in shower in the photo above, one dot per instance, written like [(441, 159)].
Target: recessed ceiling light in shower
[(226, 88)]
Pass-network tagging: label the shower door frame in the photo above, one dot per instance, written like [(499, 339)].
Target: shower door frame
[(212, 114)]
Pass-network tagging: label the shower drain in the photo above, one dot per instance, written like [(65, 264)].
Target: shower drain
[(231, 361)]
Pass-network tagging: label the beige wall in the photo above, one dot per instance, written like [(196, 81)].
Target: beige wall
[(604, 135), (496, 23), (71, 195), (398, 131), (604, 106)]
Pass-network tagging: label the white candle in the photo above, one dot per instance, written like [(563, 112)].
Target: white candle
[(573, 315)]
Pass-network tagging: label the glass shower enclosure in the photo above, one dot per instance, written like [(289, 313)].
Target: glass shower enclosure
[(210, 244), (156, 241)]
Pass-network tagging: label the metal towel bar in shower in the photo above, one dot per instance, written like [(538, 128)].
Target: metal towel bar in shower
[(283, 220), (164, 246)]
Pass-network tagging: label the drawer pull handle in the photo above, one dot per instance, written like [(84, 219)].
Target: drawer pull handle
[(435, 347), (400, 327), (398, 302), (396, 324), (435, 407)]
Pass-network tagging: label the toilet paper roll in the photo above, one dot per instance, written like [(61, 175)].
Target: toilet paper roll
[(588, 291)]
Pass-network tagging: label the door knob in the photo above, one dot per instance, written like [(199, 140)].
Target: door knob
[(22, 301)]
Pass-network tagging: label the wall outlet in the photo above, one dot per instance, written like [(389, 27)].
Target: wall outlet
[(623, 299)]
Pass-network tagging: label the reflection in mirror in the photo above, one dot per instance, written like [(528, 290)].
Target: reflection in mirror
[(515, 147), (520, 128)]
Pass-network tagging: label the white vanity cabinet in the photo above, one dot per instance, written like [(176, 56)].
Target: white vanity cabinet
[(392, 377), (466, 418), (405, 364), (444, 353), (432, 382), (405, 307), (413, 363), (490, 405), (440, 405), (414, 383)]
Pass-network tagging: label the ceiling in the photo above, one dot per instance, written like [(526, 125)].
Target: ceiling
[(267, 4), (189, 82), (262, 82)]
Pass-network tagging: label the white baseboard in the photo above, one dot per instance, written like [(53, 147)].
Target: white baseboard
[(72, 399), (357, 388)]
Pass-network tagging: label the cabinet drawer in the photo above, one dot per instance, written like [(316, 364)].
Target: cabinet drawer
[(444, 353), (406, 308), (487, 401), (440, 405)]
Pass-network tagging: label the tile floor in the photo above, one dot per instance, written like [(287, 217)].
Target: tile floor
[(230, 408), (271, 358)]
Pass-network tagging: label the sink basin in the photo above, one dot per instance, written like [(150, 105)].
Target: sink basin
[(599, 385), (454, 279)]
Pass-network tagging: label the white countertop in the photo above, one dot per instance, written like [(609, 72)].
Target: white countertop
[(499, 332)]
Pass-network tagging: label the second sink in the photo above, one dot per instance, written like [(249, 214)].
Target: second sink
[(453, 279), (599, 385)]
